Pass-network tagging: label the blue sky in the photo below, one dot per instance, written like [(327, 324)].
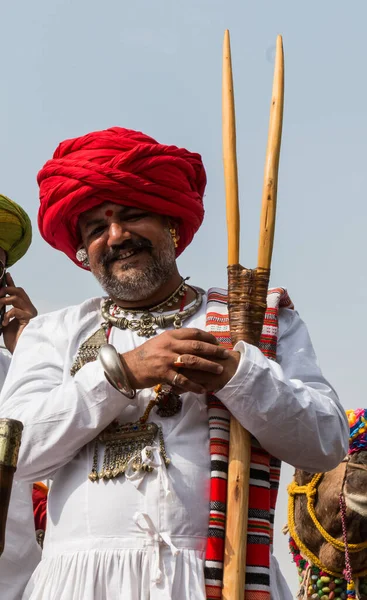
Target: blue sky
[(71, 67)]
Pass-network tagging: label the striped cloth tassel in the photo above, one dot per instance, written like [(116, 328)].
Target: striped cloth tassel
[(264, 469)]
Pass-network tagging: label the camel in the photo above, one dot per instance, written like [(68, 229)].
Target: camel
[(332, 564)]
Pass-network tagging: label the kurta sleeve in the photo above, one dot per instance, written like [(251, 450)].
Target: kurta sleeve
[(60, 413), (288, 405)]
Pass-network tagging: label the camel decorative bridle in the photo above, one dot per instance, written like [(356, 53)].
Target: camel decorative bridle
[(310, 491)]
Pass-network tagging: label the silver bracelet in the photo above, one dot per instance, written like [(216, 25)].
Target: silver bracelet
[(114, 370)]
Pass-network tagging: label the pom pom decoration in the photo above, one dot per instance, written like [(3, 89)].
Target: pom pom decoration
[(358, 430)]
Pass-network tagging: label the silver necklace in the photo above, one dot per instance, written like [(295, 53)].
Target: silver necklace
[(177, 295), (147, 324)]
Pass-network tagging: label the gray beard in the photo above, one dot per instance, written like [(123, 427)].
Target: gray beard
[(134, 284)]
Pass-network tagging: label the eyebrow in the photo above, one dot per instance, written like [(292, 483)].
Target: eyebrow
[(122, 212), (94, 222)]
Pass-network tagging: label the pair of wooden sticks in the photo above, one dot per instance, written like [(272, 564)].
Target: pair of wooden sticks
[(240, 442)]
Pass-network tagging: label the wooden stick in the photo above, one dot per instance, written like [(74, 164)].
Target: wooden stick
[(234, 576), (230, 155), (270, 187), (240, 441)]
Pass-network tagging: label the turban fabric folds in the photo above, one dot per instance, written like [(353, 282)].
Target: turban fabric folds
[(15, 230), (122, 166), (39, 497)]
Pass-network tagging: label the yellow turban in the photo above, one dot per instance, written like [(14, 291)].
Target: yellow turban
[(15, 230)]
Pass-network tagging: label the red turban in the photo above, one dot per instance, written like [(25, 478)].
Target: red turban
[(39, 498), (122, 166)]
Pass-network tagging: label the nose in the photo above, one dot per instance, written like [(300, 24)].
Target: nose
[(117, 234)]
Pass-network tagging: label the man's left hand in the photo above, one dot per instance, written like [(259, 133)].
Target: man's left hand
[(210, 381), (18, 316)]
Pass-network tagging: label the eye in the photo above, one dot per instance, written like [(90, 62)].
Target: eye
[(135, 217), (96, 231)]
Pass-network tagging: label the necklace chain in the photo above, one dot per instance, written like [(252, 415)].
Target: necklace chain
[(178, 293), (147, 324)]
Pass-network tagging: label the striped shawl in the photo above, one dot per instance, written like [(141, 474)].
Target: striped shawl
[(264, 469)]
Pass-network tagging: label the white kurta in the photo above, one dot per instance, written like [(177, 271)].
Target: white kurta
[(145, 540), (22, 553)]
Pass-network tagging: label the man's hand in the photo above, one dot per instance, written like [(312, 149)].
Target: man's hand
[(18, 316), (212, 382), (202, 360)]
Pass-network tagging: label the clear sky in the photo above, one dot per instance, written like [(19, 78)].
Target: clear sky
[(155, 65)]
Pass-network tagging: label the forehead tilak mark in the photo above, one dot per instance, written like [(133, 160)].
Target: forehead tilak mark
[(109, 213)]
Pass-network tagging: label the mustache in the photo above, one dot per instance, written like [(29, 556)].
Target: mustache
[(116, 252)]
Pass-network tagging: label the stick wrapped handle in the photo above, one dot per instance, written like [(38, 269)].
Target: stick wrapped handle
[(10, 438)]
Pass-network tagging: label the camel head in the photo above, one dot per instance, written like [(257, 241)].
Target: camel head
[(332, 498)]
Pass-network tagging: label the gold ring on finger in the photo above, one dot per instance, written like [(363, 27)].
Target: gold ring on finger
[(178, 362)]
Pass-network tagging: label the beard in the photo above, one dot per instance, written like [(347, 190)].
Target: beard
[(134, 284)]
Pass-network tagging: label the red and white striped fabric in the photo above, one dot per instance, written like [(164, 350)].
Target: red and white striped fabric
[(264, 468)]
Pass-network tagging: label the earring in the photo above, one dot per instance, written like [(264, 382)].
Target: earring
[(175, 236), (82, 257)]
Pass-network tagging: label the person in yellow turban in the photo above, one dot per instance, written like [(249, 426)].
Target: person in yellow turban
[(15, 239), (22, 553), (15, 230)]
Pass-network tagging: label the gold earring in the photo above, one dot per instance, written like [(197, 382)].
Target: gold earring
[(175, 236)]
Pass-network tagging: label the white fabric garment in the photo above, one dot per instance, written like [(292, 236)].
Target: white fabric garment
[(5, 360), (22, 553), (145, 538)]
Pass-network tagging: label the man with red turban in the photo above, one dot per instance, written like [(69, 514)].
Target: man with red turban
[(117, 394)]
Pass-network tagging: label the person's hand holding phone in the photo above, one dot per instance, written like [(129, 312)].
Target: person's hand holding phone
[(19, 313)]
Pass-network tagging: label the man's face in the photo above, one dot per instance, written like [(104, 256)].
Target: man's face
[(130, 251)]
